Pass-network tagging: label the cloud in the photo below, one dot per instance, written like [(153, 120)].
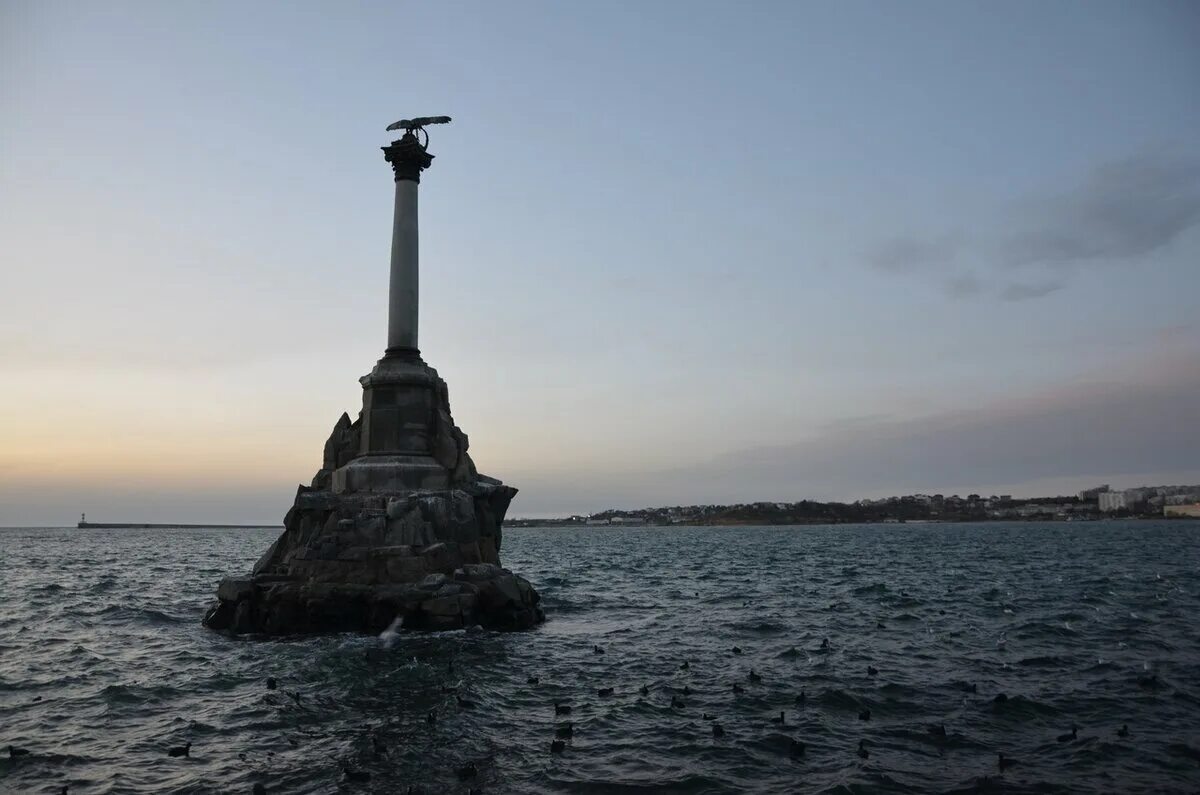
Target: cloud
[(843, 423), (904, 255), (1144, 421), (1122, 211), (1022, 292), (963, 286), (1148, 421), (1119, 213)]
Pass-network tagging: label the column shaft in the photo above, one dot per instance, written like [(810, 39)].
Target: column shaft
[(403, 286)]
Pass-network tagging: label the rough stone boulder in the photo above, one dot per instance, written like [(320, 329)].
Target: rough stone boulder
[(361, 561)]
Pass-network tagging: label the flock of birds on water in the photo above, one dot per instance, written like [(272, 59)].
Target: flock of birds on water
[(565, 730)]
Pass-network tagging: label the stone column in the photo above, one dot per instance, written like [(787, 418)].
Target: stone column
[(408, 158), (402, 396)]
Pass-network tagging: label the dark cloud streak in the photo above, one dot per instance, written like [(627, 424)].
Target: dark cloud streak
[(963, 286), (1022, 292), (1142, 423), (1123, 211), (905, 254), (1120, 213)]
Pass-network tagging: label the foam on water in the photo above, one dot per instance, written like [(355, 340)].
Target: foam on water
[(104, 665)]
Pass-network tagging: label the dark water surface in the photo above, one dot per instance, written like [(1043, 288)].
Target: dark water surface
[(104, 665)]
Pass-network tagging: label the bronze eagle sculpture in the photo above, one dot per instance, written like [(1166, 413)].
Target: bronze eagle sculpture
[(408, 125)]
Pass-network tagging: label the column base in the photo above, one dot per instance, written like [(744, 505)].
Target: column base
[(390, 474)]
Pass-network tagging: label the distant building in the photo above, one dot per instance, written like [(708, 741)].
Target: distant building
[(1090, 495), (1135, 496), (1192, 510), (1112, 501)]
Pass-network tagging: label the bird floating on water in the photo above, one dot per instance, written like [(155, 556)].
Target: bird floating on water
[(181, 750), (271, 683), (467, 771), (1003, 761), (566, 730), (604, 691), (862, 749), (557, 746), (686, 665), (738, 688), (717, 731), (800, 699), (706, 716), (938, 731), (431, 717), (872, 670), (1123, 731), (754, 677), (736, 650), (562, 709), (677, 702), (533, 680), (865, 714), (597, 650), (14, 752), (1071, 735), (355, 775), (645, 691), (780, 719), (798, 748)]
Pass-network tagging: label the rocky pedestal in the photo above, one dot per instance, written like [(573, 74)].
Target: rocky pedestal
[(396, 526)]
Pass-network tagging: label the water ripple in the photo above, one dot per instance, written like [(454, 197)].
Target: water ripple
[(103, 666)]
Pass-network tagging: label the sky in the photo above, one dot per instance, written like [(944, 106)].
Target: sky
[(671, 252)]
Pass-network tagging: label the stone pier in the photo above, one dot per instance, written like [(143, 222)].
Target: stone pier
[(397, 527)]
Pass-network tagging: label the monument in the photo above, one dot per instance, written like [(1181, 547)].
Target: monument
[(397, 525)]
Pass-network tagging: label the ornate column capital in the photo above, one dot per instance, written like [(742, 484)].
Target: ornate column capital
[(408, 157)]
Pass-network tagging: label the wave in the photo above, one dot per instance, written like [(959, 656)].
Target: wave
[(146, 615)]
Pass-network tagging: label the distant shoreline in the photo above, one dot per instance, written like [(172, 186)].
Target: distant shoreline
[(557, 523)]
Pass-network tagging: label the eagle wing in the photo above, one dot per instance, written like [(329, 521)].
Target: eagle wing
[(419, 121)]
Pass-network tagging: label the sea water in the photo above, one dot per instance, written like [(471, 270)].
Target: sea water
[(104, 666)]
